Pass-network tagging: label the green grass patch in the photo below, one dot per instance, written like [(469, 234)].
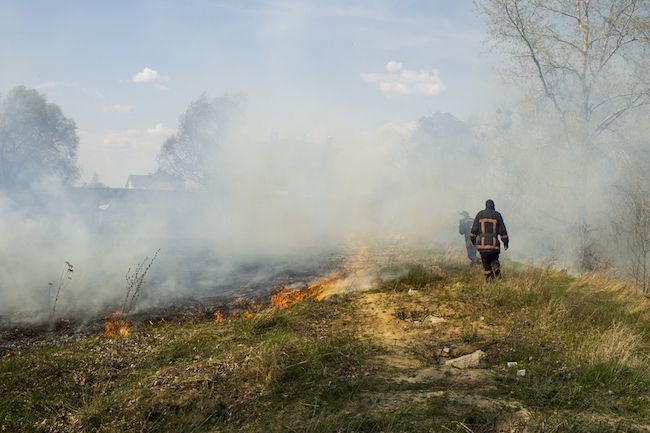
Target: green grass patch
[(585, 347)]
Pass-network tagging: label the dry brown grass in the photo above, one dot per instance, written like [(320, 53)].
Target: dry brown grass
[(619, 345), (364, 362)]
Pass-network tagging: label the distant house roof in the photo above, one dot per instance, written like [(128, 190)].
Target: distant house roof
[(157, 181)]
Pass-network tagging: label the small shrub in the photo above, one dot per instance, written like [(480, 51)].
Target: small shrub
[(66, 275), (418, 276), (135, 281), (415, 276)]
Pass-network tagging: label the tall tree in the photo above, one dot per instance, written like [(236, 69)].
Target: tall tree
[(192, 152), (36, 140), (590, 60)]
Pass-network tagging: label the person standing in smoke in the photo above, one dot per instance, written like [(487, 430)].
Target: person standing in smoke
[(465, 228), (488, 227)]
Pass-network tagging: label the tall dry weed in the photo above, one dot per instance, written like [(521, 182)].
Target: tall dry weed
[(618, 347)]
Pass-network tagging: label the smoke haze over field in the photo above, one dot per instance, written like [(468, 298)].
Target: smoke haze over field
[(320, 128), (276, 204)]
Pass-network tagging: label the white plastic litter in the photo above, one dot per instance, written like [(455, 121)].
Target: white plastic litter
[(521, 373)]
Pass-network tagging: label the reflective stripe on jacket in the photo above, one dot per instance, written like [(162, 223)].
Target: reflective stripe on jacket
[(487, 228)]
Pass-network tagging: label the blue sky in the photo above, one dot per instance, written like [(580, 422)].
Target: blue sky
[(302, 65)]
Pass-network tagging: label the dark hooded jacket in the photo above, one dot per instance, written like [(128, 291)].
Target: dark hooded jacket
[(465, 224), (488, 227)]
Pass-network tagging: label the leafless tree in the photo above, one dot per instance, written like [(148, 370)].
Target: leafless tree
[(636, 230), (575, 50), (590, 59)]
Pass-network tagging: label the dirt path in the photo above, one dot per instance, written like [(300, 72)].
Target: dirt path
[(379, 321)]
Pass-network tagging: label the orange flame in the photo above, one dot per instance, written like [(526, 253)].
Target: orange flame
[(218, 316), (116, 326), (286, 297), (324, 285)]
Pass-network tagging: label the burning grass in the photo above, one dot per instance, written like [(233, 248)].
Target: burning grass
[(175, 377), (286, 297), (116, 328), (305, 361)]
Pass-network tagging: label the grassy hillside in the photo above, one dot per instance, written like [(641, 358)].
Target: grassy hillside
[(368, 361)]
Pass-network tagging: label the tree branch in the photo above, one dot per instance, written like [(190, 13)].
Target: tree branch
[(519, 27), (544, 6), (635, 102)]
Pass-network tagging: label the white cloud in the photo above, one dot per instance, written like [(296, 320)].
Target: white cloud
[(148, 75), (160, 129), (394, 67), (400, 81)]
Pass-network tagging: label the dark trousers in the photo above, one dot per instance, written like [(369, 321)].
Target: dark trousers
[(471, 250), (491, 266)]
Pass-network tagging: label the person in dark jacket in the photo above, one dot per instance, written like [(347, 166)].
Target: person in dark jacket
[(465, 228), (487, 228)]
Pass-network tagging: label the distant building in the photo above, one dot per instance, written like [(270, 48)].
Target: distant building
[(159, 181)]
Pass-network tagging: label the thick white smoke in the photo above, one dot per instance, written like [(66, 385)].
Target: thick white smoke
[(270, 204), (277, 203)]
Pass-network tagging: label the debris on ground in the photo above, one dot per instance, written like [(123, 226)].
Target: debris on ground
[(434, 320), (471, 360)]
